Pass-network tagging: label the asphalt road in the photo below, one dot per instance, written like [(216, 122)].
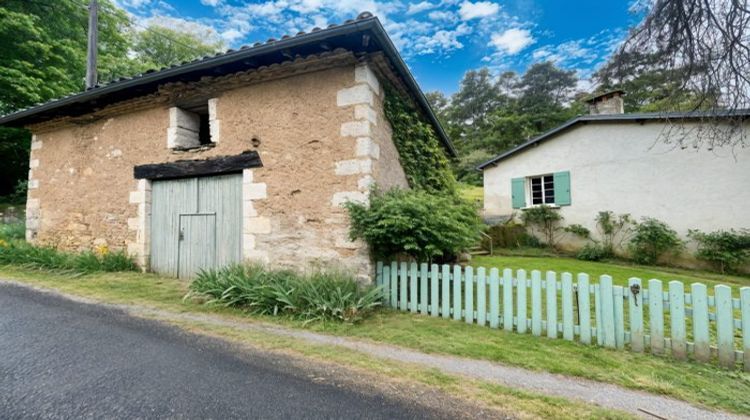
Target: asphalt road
[(60, 359)]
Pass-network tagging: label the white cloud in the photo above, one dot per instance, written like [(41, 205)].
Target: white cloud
[(512, 41), (206, 32), (232, 35), (211, 3), (443, 40), (480, 9), (415, 8), (439, 15)]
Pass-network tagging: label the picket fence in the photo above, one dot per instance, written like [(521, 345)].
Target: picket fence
[(658, 320)]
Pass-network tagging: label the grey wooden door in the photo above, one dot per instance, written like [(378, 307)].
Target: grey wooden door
[(175, 200)]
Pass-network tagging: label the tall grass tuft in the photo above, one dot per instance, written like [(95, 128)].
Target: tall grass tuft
[(12, 231), (23, 254), (319, 296)]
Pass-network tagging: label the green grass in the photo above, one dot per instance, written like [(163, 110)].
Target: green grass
[(21, 253), (697, 383), (472, 193), (12, 231), (620, 272)]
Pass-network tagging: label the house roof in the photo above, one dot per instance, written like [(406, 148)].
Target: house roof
[(364, 34), (634, 117)]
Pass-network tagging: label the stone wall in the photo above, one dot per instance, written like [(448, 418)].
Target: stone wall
[(316, 151)]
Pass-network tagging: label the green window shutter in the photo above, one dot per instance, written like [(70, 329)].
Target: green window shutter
[(562, 188), (518, 192)]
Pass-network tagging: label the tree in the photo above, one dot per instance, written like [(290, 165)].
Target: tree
[(158, 46), (544, 86), (708, 43)]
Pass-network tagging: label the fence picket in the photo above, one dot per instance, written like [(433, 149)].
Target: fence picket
[(403, 286), (434, 289), (481, 297), (567, 306), (469, 292), (701, 341), (635, 314), (413, 288), (536, 303), (656, 315), (608, 313), (385, 284), (598, 315), (508, 299), (457, 287), (446, 289), (584, 308), (394, 285), (551, 304), (724, 325), (379, 274), (521, 309), (494, 298), (423, 279), (677, 319), (619, 316), (745, 320)]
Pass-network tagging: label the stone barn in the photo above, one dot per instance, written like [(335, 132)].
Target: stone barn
[(246, 155)]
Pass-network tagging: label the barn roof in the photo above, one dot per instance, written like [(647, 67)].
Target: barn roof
[(362, 35), (633, 117)]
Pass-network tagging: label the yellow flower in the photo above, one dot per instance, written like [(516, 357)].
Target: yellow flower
[(102, 250), (3, 244)]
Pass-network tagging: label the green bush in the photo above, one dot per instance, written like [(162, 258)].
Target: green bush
[(726, 249), (578, 230), (592, 252), (12, 231), (320, 296), (651, 239), (545, 221), (415, 223), (614, 229), (509, 235), (46, 258)]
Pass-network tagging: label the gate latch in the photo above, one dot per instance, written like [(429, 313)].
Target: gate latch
[(635, 289)]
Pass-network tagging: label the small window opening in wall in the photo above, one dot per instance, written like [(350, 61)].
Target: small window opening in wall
[(204, 127), (189, 128), (542, 189)]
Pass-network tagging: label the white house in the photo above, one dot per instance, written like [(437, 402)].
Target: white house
[(609, 160)]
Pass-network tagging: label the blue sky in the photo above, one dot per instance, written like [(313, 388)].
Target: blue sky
[(439, 39)]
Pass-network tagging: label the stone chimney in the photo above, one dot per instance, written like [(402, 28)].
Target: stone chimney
[(606, 103)]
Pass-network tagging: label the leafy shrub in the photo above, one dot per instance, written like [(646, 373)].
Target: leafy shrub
[(320, 296), (509, 235), (545, 220), (726, 249), (592, 252), (578, 230), (12, 231), (651, 239), (614, 229), (46, 258), (415, 223)]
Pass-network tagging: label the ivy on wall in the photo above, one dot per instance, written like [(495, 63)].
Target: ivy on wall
[(422, 155)]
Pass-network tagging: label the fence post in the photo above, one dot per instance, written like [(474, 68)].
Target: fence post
[(521, 301), (724, 325), (635, 311), (745, 319), (494, 298), (598, 314), (469, 294), (536, 303), (508, 299), (394, 285), (677, 319), (385, 285), (413, 288), (702, 343), (551, 283), (434, 288), (481, 297), (404, 281), (423, 273), (608, 313), (446, 289), (567, 306), (618, 296), (457, 294), (584, 308), (656, 315)]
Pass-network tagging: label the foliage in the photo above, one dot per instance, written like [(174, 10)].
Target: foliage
[(613, 229), (465, 166), (651, 239), (46, 258), (593, 252), (727, 249), (320, 296), (162, 47), (422, 154), (12, 231), (509, 235), (578, 230), (545, 221), (414, 223)]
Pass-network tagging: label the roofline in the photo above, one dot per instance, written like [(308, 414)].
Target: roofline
[(649, 116), (367, 23)]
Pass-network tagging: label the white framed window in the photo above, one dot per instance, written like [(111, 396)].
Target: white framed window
[(541, 189)]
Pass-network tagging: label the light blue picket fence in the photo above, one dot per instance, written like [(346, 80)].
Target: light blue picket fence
[(643, 316)]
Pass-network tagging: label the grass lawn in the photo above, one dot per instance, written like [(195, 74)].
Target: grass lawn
[(619, 271), (696, 383), (472, 193)]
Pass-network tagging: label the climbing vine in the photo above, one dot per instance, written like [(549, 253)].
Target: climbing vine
[(422, 155)]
